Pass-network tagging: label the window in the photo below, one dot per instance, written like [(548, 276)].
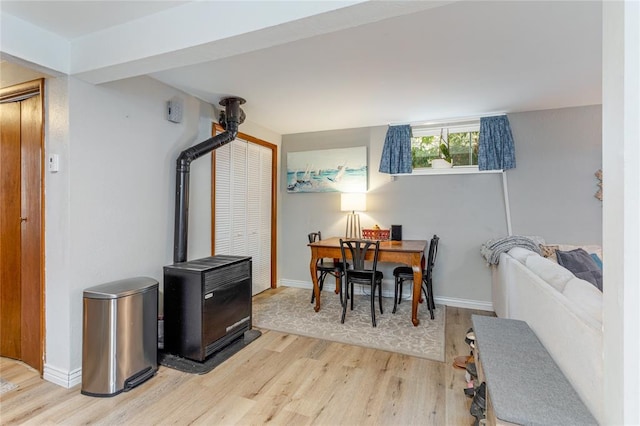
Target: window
[(460, 138)]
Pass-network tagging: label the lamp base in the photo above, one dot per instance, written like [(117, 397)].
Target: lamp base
[(353, 226)]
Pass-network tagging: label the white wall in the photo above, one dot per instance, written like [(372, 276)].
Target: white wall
[(621, 213), (463, 210), (58, 310), (110, 209)]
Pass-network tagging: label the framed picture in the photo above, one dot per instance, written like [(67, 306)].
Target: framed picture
[(328, 170)]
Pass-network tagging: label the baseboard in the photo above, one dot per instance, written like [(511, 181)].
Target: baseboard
[(329, 286), (479, 305), (66, 379), (297, 284), (448, 301)]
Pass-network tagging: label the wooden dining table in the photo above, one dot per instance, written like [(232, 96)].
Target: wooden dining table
[(409, 252)]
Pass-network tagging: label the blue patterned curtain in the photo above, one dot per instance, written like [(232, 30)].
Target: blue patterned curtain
[(495, 147), (396, 153)]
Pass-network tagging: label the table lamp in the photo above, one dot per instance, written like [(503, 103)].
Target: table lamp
[(352, 202)]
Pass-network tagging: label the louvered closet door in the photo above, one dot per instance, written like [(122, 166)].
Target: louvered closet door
[(239, 240), (260, 213), (222, 197), (243, 206)]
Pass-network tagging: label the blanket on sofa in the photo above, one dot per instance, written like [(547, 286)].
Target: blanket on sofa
[(491, 249)]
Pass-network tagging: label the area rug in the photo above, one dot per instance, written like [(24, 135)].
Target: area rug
[(6, 386), (289, 311)]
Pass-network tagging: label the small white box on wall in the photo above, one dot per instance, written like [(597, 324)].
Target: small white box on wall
[(54, 163), (175, 106)]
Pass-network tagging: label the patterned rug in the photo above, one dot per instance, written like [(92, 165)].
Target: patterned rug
[(6, 386), (289, 311)]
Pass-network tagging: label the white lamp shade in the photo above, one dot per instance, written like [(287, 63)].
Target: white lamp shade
[(353, 202)]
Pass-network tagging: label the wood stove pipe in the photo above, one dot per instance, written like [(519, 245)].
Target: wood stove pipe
[(230, 119)]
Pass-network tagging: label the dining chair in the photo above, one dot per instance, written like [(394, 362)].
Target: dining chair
[(357, 250), (402, 273), (325, 267)]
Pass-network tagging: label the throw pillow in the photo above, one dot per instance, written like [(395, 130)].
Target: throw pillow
[(597, 260), (589, 248), (549, 252), (582, 265)]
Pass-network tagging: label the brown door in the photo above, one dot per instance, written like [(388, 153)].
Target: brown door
[(21, 224)]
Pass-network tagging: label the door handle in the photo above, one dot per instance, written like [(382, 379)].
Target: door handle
[(23, 219)]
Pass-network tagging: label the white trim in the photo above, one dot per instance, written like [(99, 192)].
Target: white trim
[(480, 305), (329, 286), (448, 301), (436, 129), (447, 120), (459, 170), (66, 379), (296, 284)]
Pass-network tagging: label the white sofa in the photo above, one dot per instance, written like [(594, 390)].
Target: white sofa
[(565, 312)]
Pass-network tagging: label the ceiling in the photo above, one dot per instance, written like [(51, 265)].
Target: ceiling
[(350, 67)]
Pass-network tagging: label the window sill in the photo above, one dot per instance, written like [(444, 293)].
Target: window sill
[(460, 170)]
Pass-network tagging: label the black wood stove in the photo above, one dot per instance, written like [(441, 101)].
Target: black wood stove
[(207, 305)]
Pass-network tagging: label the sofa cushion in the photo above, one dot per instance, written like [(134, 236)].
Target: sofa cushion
[(555, 275), (521, 254), (586, 296), (582, 265)]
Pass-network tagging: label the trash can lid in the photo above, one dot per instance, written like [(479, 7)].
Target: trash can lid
[(121, 288)]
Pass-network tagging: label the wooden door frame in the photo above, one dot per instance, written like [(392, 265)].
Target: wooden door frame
[(36, 294), (216, 128)]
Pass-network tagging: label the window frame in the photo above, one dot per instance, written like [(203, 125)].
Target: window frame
[(433, 129)]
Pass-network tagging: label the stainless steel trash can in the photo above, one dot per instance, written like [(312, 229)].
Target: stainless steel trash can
[(119, 335)]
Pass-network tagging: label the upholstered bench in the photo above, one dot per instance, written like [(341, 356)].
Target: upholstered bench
[(524, 384)]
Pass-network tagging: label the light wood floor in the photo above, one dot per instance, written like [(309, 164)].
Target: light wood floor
[(278, 379)]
